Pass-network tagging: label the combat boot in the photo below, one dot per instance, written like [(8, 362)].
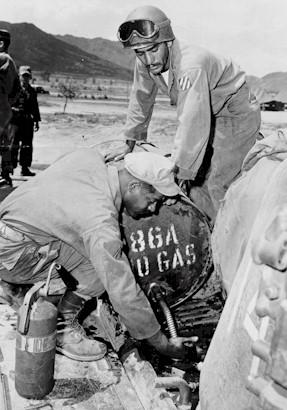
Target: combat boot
[(5, 178), (26, 172), (72, 340)]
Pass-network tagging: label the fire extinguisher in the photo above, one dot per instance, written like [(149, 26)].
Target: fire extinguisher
[(36, 343)]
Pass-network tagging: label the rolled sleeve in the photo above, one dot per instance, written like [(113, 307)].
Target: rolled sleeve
[(194, 119), (114, 271)]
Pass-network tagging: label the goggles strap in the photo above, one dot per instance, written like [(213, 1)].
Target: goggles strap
[(136, 29)]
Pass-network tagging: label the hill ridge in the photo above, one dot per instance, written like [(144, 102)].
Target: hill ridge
[(45, 52)]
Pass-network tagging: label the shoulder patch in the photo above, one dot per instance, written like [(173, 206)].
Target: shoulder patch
[(184, 83)]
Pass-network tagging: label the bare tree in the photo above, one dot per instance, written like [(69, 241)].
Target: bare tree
[(69, 91)]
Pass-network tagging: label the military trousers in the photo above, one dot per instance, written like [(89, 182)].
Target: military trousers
[(25, 262), (5, 141), (22, 148), (236, 128)]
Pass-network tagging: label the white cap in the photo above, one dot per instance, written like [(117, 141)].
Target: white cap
[(154, 169)]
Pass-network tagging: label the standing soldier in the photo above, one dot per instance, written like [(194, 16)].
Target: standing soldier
[(25, 121), (9, 89), (218, 117)]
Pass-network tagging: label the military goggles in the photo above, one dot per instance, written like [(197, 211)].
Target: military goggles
[(145, 29)]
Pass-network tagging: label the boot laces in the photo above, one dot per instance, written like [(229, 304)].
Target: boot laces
[(75, 325), (71, 325)]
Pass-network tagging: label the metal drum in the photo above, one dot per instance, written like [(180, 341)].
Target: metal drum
[(171, 249)]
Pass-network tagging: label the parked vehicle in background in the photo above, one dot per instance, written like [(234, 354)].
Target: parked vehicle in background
[(273, 105)]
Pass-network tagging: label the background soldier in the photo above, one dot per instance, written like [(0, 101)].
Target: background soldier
[(25, 121), (9, 89)]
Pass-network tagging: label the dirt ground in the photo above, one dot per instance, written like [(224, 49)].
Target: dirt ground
[(88, 123)]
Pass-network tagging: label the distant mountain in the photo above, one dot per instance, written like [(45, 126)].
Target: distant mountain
[(103, 48), (273, 82), (44, 52), (271, 86)]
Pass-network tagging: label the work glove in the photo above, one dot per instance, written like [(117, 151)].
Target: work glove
[(176, 347), (118, 155)]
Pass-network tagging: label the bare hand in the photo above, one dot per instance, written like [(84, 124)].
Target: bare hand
[(118, 155), (36, 126)]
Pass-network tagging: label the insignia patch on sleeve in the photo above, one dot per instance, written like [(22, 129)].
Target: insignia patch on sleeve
[(184, 83)]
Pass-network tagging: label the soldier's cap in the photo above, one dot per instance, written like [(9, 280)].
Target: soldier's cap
[(25, 69), (4, 35), (154, 169)]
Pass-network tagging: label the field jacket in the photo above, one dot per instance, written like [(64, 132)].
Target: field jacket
[(26, 105), (9, 88), (77, 200)]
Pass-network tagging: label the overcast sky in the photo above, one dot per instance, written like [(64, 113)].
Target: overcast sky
[(252, 32)]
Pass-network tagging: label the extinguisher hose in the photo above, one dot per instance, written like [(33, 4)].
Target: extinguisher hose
[(169, 318), (156, 292)]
